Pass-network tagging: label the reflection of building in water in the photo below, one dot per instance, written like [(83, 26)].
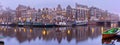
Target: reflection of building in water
[(47, 34), (95, 31)]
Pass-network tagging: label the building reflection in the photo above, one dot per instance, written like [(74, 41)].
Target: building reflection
[(81, 33)]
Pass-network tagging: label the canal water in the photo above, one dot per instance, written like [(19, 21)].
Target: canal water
[(79, 35)]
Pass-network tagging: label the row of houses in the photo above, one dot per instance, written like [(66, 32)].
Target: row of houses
[(51, 15)]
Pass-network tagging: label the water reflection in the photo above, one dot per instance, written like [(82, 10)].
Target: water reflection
[(80, 34)]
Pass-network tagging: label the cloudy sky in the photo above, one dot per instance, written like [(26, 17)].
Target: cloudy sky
[(110, 5)]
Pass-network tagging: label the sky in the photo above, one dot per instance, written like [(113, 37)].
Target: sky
[(110, 5)]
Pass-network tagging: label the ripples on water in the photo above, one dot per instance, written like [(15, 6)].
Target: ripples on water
[(82, 35)]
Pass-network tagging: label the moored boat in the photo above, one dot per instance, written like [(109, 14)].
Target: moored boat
[(118, 33), (2, 40), (20, 24), (109, 41), (110, 33), (61, 24), (5, 23), (42, 25), (37, 24), (79, 23), (28, 23), (49, 25)]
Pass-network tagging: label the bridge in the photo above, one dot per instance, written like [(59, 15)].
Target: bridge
[(107, 22)]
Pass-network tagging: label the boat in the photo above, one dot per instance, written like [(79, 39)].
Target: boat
[(79, 23), (110, 33), (2, 40), (118, 34), (61, 24), (49, 25), (13, 24), (27, 23), (37, 24), (42, 25), (20, 24), (5, 23), (109, 41)]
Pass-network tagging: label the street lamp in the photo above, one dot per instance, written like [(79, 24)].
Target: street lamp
[(19, 18), (30, 18), (24, 19)]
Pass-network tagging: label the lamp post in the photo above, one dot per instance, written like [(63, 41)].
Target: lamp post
[(30, 19), (19, 18)]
